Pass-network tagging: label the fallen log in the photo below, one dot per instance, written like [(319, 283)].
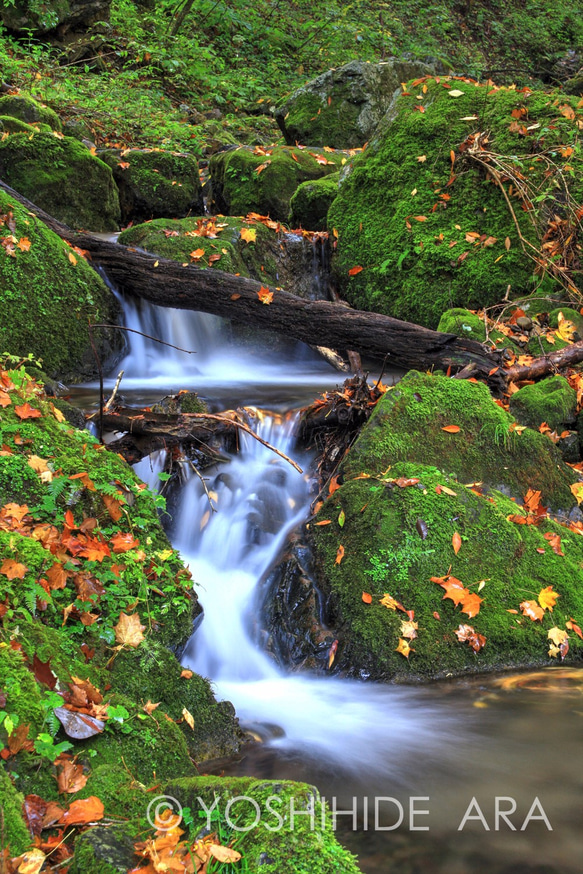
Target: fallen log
[(322, 323)]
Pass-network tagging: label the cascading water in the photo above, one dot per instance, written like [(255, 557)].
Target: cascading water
[(259, 499)]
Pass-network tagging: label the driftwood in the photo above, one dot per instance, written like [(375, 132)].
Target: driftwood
[(318, 323)]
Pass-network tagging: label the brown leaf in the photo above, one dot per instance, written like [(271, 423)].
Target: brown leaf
[(79, 726), (123, 542), (532, 610), (224, 854), (339, 554), (27, 412), (70, 776), (42, 672), (149, 706), (129, 630), (13, 569)]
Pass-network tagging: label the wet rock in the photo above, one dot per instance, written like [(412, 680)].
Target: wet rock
[(25, 108), (569, 447), (107, 849), (343, 107), (310, 204)]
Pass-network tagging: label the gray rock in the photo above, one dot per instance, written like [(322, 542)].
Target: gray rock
[(343, 107), (44, 18)]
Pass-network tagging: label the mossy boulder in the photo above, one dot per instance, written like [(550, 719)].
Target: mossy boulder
[(551, 400), (263, 181), (395, 538), (407, 426), (153, 673), (155, 184), (214, 236), (343, 107), (28, 110), (469, 325), (431, 235), (311, 201), (105, 850), (15, 125), (275, 831), (48, 295), (61, 175)]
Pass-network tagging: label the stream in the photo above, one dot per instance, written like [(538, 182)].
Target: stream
[(380, 752)]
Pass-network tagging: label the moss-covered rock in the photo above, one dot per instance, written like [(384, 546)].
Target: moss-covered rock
[(408, 422), (15, 125), (276, 832), (311, 201), (105, 850), (430, 237), (28, 110), (155, 184), (15, 834), (213, 236), (469, 325), (397, 538), (38, 18), (20, 690), (240, 185), (47, 300), (343, 107), (153, 673), (62, 176), (551, 400)]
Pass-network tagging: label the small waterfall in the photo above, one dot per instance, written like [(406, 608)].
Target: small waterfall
[(260, 498), (149, 468)]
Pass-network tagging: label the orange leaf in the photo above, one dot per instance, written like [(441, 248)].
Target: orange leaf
[(323, 522), (451, 429), (572, 626), (123, 542), (420, 218), (5, 400), (339, 554), (555, 542), (456, 542), (13, 569), (27, 412), (82, 811), (354, 270), (367, 598), (235, 296), (467, 634), (265, 295), (197, 254), (249, 235), (23, 244), (334, 485), (532, 610), (71, 777)]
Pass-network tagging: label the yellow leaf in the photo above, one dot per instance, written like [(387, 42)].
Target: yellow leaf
[(455, 93), (409, 629), (577, 489), (128, 630), (565, 329), (72, 258), (557, 635), (547, 598), (249, 235), (57, 413), (404, 648), (188, 717), (31, 862), (23, 244)]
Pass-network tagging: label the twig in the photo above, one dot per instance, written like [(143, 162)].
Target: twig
[(201, 478), (109, 403), (148, 336)]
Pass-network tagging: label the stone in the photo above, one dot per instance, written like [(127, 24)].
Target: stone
[(25, 108), (311, 201), (43, 18), (343, 107), (155, 184), (552, 400)]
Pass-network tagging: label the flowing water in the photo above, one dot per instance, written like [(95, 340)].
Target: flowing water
[(442, 744)]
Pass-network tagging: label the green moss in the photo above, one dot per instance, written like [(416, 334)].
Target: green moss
[(464, 323), (156, 184), (20, 690), (302, 847), (416, 269), (408, 422), (15, 125), (311, 201), (152, 673), (47, 301), (63, 177), (105, 850), (15, 836), (551, 400), (26, 109), (384, 552), (238, 187), (177, 239)]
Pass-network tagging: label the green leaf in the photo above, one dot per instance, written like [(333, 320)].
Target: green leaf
[(342, 518)]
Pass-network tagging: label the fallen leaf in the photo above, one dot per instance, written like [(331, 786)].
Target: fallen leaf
[(129, 630), (25, 411), (332, 653), (30, 862), (572, 626), (532, 610), (455, 93), (188, 717), (187, 674), (555, 542), (547, 598), (78, 726), (339, 554), (265, 295), (70, 776), (83, 810), (456, 542), (354, 270), (451, 429), (14, 570), (123, 542), (467, 634), (404, 648), (149, 707), (409, 629), (367, 598), (224, 854), (249, 235)]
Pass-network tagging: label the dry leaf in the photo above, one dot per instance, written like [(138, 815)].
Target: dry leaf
[(83, 811), (249, 235), (456, 542), (367, 598), (129, 630), (265, 295), (451, 429), (224, 854), (339, 554), (404, 648), (188, 717)]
